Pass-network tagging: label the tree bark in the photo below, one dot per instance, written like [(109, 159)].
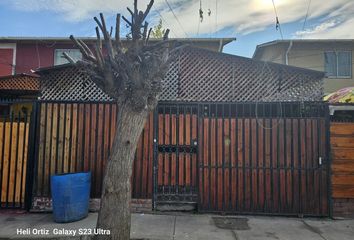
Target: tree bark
[(116, 194)]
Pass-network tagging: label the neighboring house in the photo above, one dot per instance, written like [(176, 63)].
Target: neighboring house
[(25, 55), (333, 56)]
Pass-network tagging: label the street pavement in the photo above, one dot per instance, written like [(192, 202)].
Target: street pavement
[(177, 226)]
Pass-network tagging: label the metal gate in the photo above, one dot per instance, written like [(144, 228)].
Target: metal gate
[(264, 158), (17, 130), (175, 158)]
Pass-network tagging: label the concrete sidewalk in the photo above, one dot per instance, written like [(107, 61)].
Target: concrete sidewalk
[(185, 226)]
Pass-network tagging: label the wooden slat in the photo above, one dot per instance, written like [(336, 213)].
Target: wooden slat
[(233, 164), (343, 167), (60, 139), (342, 191), (342, 142), (48, 161), (66, 138), (74, 138), (341, 129), (340, 153), (98, 155), (212, 164), (343, 179), (6, 162)]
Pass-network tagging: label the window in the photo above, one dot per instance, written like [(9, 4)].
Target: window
[(338, 64), (7, 58), (60, 59)]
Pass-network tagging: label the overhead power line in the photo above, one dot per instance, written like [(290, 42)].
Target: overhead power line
[(277, 22), (216, 17), (306, 16), (179, 23), (164, 20)]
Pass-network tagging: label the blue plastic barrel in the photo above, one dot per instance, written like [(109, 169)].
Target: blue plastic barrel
[(70, 196)]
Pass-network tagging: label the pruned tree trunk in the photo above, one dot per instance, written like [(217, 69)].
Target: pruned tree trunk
[(116, 194), (133, 76)]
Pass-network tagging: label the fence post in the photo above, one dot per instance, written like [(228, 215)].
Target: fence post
[(31, 156), (329, 160), (155, 155)]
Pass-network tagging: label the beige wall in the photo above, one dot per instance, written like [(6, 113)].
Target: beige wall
[(311, 56), (273, 53)]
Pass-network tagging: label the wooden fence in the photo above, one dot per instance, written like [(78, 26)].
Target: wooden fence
[(342, 144), (76, 137), (248, 158), (13, 160)]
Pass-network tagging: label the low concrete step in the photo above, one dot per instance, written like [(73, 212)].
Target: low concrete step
[(166, 206)]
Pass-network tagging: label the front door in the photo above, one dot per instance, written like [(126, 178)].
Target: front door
[(176, 153)]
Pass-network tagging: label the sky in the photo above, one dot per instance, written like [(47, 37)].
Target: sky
[(252, 22)]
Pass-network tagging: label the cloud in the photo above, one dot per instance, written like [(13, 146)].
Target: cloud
[(337, 24), (330, 29), (243, 16), (318, 29)]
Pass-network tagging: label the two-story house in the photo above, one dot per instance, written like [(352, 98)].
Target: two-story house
[(26, 54), (333, 56)]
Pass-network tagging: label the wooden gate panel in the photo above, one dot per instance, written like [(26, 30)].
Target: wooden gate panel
[(262, 165)]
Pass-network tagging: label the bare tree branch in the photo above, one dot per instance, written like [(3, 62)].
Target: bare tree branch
[(148, 8), (87, 49), (145, 30), (83, 48), (98, 41), (117, 35), (130, 11), (165, 36), (148, 37), (67, 57), (127, 21)]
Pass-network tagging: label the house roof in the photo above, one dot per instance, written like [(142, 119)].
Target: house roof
[(201, 75), (67, 39), (299, 41), (19, 84), (221, 42)]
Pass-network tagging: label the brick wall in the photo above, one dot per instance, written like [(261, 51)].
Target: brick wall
[(44, 204), (141, 205), (343, 207)]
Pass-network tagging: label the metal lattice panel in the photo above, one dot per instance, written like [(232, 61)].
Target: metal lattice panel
[(202, 76), (70, 83), (20, 82), (208, 76)]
